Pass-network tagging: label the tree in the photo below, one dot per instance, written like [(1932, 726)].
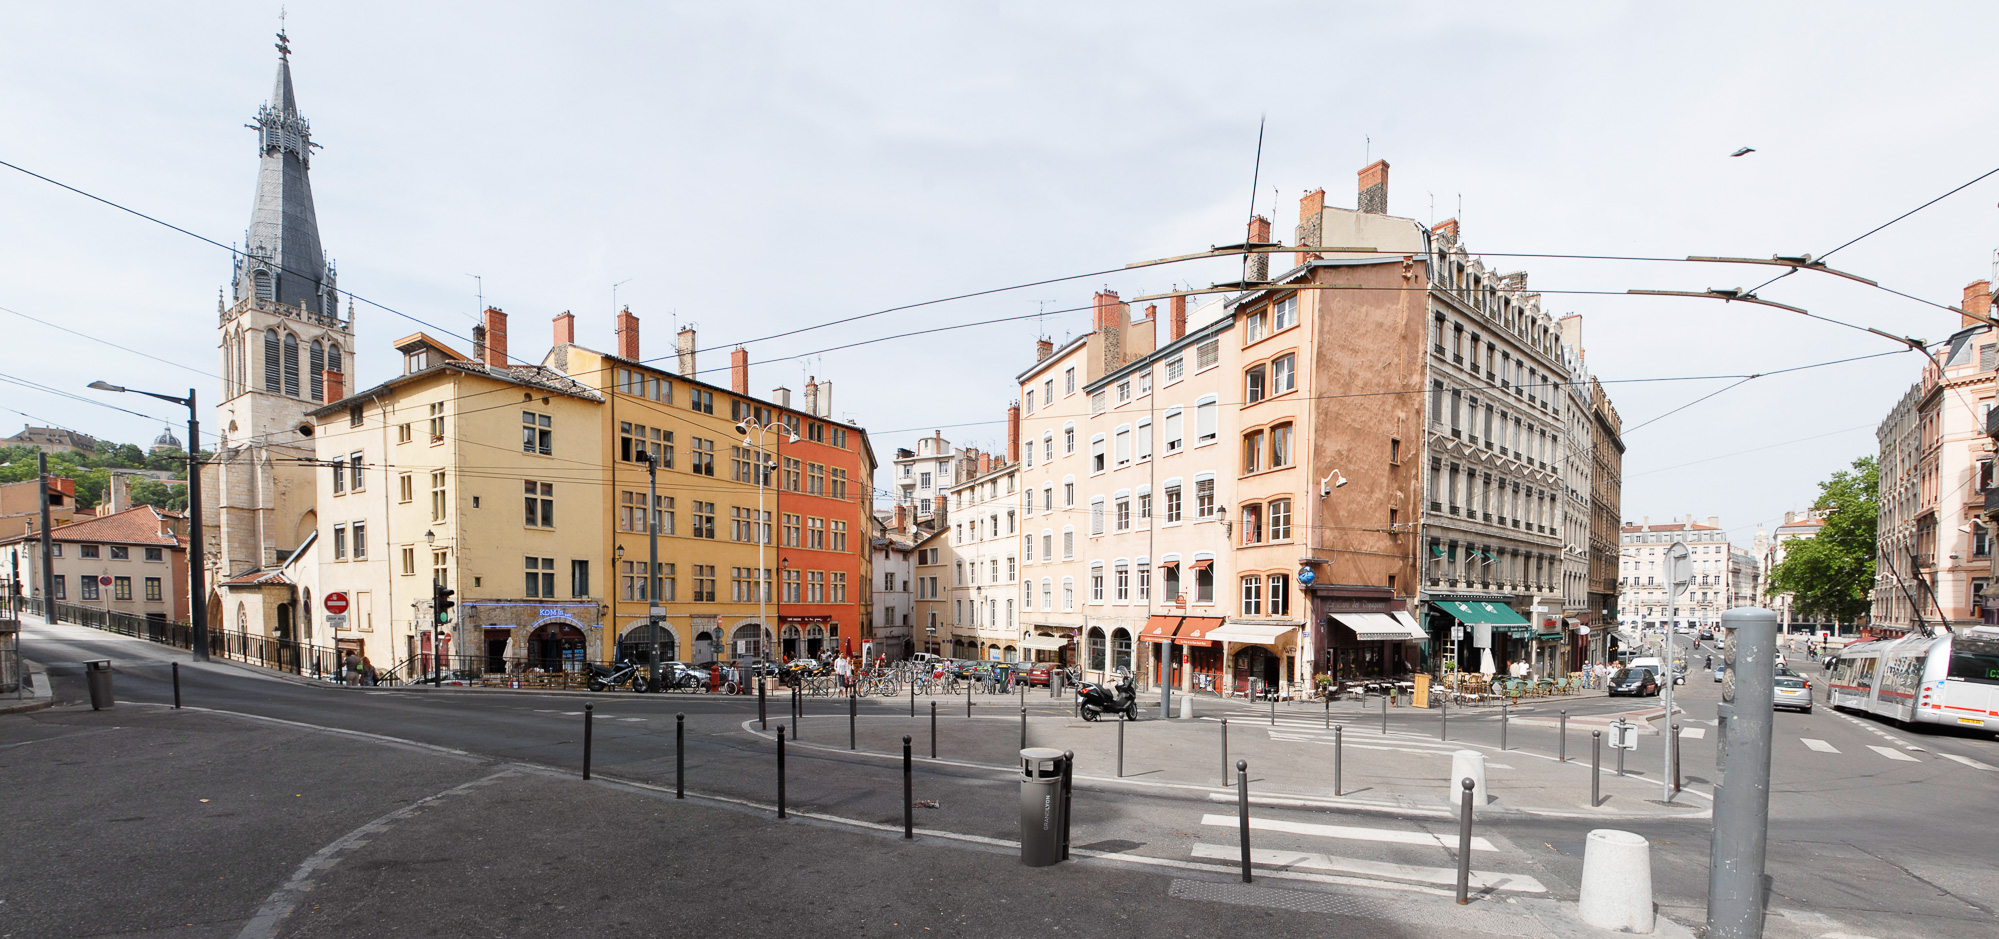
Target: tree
[(1830, 575), (170, 497)]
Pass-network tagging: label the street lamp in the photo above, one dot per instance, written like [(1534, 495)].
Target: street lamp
[(757, 434), (196, 555), (654, 612)]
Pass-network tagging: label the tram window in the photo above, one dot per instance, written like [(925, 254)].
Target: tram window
[(1979, 663), (1864, 673)]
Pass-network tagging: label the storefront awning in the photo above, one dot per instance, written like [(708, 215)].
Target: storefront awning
[(1548, 637), (1375, 627), (1259, 633), (1409, 623), (1499, 616), (1194, 631), (1040, 643), (1160, 628)]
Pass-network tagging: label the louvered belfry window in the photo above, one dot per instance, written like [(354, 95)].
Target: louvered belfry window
[(291, 365), (273, 361)]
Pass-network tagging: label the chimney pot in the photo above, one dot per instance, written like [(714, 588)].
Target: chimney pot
[(684, 342), (781, 396), (1977, 303), (1179, 314), (628, 335), (1013, 433), (1311, 223), (901, 517), (1043, 348)]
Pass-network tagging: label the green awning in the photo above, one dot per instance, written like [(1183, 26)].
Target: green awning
[(1548, 637), (1471, 612)]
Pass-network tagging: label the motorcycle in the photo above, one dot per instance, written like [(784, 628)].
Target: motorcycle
[(1095, 699), (611, 676)]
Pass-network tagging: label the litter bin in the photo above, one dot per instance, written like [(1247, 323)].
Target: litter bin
[(1040, 806), (99, 674)]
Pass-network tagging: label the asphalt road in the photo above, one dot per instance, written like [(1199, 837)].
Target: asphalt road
[(1861, 842)]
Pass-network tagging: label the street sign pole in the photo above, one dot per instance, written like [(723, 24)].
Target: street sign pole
[(1742, 790)]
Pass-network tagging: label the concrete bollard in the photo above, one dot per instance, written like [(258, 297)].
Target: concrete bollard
[(1616, 888), (1186, 707), (1467, 764)]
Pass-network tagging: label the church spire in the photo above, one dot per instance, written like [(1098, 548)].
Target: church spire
[(282, 260)]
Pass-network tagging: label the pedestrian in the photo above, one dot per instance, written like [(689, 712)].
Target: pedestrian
[(845, 671), (353, 668), (1710, 663), (367, 672)]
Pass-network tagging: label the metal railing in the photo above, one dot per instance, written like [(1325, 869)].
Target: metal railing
[(279, 654)]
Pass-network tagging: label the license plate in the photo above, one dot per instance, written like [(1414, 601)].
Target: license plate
[(1970, 720)]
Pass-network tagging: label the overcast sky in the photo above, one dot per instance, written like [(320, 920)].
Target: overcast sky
[(752, 169)]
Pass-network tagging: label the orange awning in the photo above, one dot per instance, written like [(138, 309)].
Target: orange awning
[(1204, 564), (1168, 565), (1160, 628), (1194, 628)]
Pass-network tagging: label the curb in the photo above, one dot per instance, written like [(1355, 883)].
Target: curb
[(41, 694)]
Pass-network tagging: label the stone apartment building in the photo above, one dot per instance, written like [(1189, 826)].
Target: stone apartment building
[(926, 473), (1606, 525), (1934, 554), (1724, 575), (132, 561), (984, 545)]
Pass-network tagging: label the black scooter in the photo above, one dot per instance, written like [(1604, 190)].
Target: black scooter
[(611, 676), (1094, 699)]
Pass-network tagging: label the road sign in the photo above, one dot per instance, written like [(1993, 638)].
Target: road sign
[(104, 580), (336, 621), (1623, 734), (334, 602)]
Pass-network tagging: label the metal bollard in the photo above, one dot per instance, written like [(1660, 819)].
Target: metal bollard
[(933, 730), (1443, 720), (1676, 757), (1464, 845), (1242, 811), (853, 717), (763, 711), (912, 696), (780, 771), (968, 703), (797, 711), (1563, 740), (1595, 768), (1329, 711), (1384, 715), (1068, 796), (1023, 728), (176, 686), (680, 755), (1120, 749), (1505, 716), (1620, 761), (1225, 753), (588, 710), (908, 795), (1273, 712), (1339, 748)]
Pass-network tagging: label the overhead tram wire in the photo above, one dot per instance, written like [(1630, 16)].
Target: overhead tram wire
[(107, 342), (1876, 229)]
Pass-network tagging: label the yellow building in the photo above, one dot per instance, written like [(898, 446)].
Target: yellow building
[(743, 570), (475, 474)]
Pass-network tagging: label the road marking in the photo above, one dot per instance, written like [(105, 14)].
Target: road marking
[(1348, 832), (632, 719), (1968, 761), (1819, 745), (1480, 880), (1694, 733), (1893, 754)]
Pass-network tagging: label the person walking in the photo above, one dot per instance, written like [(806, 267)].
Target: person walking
[(353, 669), (845, 671), (367, 672)]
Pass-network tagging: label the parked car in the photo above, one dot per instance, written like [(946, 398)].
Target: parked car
[(1792, 692), (1635, 681), (1037, 673)]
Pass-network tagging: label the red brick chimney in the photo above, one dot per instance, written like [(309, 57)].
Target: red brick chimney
[(1310, 224), (1446, 230), (938, 512), (1977, 303), (739, 370), (901, 517), (1013, 433), (1259, 233), (565, 329), (985, 463), (1179, 316), (1043, 348), (1104, 309), (496, 337), (1374, 188), (336, 384), (628, 335)]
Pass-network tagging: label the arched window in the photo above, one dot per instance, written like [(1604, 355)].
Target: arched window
[(333, 357), (273, 362), (1095, 662), (291, 365), (265, 286), (316, 376), (1121, 649), (331, 306)]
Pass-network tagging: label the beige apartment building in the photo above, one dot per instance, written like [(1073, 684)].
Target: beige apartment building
[(985, 568), (132, 562)]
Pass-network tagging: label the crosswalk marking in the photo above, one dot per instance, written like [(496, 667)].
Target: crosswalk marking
[(1893, 754), (1693, 733), (1480, 880), (1968, 761), (1819, 745), (1348, 832)]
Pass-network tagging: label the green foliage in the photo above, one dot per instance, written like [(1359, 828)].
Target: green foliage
[(1829, 575), (92, 472)]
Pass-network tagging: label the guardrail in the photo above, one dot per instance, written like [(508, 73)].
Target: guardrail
[(278, 654)]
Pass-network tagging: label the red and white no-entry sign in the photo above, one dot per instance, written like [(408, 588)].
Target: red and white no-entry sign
[(335, 602)]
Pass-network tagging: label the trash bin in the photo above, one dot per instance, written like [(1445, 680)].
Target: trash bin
[(99, 674), (1040, 806)]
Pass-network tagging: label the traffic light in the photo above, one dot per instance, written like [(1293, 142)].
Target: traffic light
[(441, 602)]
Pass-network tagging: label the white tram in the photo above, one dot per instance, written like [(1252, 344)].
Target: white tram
[(1943, 679)]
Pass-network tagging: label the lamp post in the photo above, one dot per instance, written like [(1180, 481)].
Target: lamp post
[(196, 555), (654, 612), (758, 435)]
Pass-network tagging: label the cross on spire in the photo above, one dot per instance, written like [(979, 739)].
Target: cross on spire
[(284, 44)]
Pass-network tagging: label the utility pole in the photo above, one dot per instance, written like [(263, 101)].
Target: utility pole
[(48, 544), (1679, 573), (1742, 790)]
